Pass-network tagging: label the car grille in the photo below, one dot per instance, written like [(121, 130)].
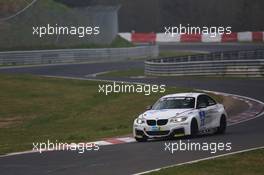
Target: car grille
[(151, 122), (158, 133), (162, 122), (157, 122)]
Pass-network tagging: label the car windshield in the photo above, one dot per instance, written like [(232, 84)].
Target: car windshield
[(174, 103)]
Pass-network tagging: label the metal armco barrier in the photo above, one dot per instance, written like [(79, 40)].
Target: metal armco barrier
[(231, 63), (76, 55)]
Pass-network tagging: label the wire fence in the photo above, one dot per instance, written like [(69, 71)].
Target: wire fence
[(76, 55)]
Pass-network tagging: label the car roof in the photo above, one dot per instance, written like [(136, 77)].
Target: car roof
[(189, 94)]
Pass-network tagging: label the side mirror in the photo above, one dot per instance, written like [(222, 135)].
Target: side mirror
[(148, 107)]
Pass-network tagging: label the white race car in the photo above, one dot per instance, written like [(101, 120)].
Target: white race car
[(180, 114)]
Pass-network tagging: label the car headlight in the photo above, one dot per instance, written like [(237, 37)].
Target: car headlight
[(140, 121), (178, 119)]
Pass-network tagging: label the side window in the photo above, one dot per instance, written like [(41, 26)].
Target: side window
[(210, 101), (202, 102)]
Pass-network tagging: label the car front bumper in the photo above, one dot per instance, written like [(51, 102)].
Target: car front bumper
[(169, 130)]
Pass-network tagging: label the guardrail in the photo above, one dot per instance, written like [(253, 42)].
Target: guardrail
[(231, 63), (76, 55)]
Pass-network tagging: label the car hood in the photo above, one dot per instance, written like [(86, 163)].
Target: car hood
[(164, 113)]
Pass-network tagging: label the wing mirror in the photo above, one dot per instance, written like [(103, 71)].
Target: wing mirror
[(148, 107)]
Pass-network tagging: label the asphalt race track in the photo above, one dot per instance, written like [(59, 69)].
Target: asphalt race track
[(76, 70), (136, 157)]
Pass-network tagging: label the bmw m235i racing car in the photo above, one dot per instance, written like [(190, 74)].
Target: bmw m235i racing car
[(180, 114)]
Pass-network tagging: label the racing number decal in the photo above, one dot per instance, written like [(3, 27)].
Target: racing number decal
[(202, 118)]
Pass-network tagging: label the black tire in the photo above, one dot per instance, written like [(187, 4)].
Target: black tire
[(222, 127), (194, 128), (143, 139)]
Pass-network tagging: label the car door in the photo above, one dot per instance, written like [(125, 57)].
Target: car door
[(212, 112), (204, 115)]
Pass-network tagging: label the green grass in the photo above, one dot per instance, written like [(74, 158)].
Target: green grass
[(243, 164), (120, 42), (117, 43), (34, 109)]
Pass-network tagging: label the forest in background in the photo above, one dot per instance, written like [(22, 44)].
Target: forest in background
[(153, 15)]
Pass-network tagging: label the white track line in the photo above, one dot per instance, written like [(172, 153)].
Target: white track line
[(98, 74)]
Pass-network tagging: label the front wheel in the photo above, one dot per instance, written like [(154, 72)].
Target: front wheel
[(194, 128), (222, 126)]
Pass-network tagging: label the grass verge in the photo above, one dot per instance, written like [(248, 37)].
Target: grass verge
[(243, 164), (37, 109), (118, 42)]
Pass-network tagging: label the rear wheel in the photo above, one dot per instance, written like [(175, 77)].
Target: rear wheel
[(222, 126), (194, 128)]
